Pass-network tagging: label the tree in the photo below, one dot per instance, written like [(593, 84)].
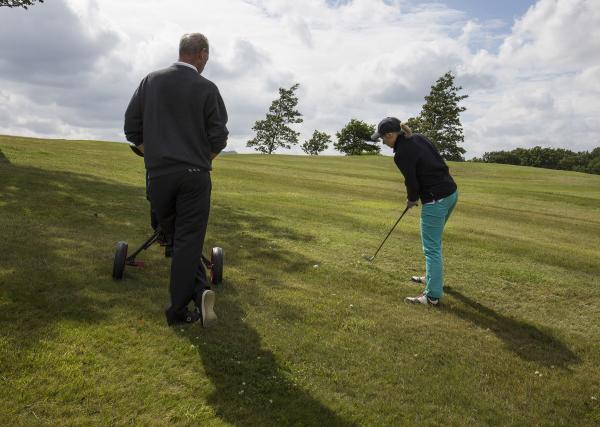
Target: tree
[(317, 143), (439, 118), (506, 157), (550, 158), (19, 3), (352, 139), (572, 162), (414, 123), (593, 165), (273, 132)]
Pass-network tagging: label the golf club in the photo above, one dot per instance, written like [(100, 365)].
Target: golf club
[(371, 258)]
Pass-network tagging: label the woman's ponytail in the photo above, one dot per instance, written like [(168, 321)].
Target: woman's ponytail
[(406, 130)]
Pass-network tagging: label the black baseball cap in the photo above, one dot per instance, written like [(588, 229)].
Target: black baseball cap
[(389, 124)]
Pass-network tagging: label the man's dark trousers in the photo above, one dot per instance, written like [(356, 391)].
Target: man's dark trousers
[(181, 201)]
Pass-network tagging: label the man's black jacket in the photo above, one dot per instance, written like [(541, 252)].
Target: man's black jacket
[(180, 118), (426, 175)]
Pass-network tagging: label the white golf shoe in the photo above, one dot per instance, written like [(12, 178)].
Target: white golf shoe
[(423, 299), (207, 311), (418, 279)]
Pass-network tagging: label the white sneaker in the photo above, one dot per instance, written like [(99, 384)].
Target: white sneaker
[(207, 308), (419, 279), (422, 299)]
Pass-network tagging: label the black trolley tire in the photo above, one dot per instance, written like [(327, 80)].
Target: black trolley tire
[(216, 271), (120, 260)]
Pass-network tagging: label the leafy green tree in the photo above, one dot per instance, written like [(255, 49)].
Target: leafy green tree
[(274, 132), (573, 162), (593, 165), (317, 143), (505, 157), (354, 139), (414, 123), (19, 3), (439, 119), (550, 158)]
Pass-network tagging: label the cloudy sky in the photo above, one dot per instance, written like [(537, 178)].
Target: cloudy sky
[(531, 68)]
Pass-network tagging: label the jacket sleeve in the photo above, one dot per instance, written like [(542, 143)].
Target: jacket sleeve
[(407, 163), (134, 130), (216, 121)]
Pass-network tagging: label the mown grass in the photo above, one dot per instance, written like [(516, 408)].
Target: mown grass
[(308, 333)]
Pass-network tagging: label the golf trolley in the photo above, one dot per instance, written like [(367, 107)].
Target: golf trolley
[(214, 265)]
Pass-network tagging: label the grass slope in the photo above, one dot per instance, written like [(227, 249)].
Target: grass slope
[(309, 333)]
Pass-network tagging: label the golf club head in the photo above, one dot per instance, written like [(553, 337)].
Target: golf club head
[(368, 258)]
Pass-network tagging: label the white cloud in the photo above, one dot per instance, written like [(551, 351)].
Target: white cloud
[(547, 83), (563, 35), (69, 66)]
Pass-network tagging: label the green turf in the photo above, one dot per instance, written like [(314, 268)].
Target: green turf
[(308, 333)]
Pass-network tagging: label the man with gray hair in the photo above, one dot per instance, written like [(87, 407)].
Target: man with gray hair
[(177, 119)]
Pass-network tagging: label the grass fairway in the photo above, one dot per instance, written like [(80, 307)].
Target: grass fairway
[(309, 333)]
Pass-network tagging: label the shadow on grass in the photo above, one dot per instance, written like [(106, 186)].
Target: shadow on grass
[(238, 224), (252, 242), (253, 387), (3, 158), (525, 340), (50, 271), (56, 222)]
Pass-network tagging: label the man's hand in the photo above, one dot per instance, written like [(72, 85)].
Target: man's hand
[(411, 204), (137, 149)]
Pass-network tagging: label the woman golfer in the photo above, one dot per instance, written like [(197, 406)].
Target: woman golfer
[(426, 177)]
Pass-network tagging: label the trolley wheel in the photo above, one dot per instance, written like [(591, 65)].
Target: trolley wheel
[(120, 259), (216, 271)]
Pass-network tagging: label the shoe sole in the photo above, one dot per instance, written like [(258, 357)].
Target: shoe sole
[(415, 301), (209, 316), (412, 301)]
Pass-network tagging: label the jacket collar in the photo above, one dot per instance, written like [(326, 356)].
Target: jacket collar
[(180, 64), (399, 140)]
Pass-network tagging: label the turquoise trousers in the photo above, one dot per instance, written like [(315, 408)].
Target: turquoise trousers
[(433, 218)]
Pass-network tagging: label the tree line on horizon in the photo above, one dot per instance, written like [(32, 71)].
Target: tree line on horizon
[(549, 158), (439, 121)]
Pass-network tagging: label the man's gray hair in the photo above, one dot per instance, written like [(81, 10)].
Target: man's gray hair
[(192, 43)]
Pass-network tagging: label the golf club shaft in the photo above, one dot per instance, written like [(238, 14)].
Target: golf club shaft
[(388, 235)]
